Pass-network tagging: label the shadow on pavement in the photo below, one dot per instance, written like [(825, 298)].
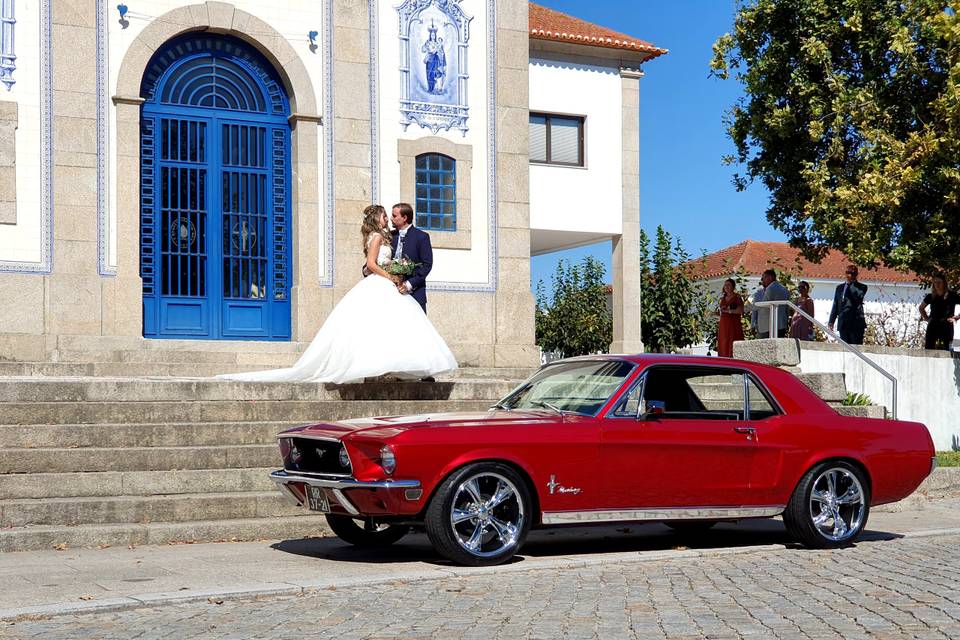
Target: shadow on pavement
[(583, 541)]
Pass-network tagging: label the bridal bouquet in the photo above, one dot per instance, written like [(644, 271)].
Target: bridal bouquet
[(401, 266)]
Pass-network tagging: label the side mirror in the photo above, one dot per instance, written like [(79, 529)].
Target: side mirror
[(655, 409)]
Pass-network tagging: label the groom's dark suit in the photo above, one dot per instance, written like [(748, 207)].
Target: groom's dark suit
[(417, 248)]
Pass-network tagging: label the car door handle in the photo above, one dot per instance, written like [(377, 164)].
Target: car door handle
[(750, 432)]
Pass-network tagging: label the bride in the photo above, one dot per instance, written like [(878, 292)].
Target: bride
[(350, 345)]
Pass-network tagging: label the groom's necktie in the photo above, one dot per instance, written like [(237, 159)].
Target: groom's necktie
[(399, 252)]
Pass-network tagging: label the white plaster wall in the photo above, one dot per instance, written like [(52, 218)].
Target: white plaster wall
[(22, 242), (449, 265), (294, 19), (928, 388), (583, 199)]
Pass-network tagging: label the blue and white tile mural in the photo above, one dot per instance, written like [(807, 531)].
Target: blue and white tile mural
[(7, 58), (434, 39)]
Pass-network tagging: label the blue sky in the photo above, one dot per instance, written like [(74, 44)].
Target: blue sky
[(683, 185)]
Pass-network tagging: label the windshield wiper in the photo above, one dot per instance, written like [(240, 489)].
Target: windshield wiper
[(502, 404), (547, 405)]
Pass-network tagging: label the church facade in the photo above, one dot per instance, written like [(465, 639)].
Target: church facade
[(175, 170)]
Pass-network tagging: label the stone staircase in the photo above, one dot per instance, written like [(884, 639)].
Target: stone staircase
[(122, 449), (785, 353)]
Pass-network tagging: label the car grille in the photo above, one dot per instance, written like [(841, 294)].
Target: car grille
[(312, 456)]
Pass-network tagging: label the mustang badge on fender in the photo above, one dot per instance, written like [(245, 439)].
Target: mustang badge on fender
[(556, 487)]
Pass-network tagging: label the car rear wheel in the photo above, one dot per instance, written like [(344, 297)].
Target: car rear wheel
[(367, 533), (829, 507), (480, 515)]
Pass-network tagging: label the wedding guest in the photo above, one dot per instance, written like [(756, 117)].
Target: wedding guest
[(940, 321), (800, 327), (772, 290), (730, 310), (848, 308)]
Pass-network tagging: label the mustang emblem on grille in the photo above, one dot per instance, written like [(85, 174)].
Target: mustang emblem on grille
[(556, 487)]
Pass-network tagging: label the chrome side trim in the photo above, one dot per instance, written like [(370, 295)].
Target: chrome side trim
[(684, 513)]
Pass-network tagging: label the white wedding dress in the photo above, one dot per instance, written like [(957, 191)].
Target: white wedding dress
[(373, 330)]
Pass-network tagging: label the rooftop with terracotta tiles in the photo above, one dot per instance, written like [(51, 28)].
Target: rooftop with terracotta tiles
[(755, 257), (547, 24)]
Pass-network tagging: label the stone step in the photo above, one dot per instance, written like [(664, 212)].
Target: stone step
[(55, 460), (163, 434), (144, 509), (135, 534), (88, 343), (115, 368), (73, 390), (78, 484), (865, 411), (187, 411), (830, 387), (131, 369)]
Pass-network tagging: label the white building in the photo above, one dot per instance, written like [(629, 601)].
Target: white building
[(179, 169)]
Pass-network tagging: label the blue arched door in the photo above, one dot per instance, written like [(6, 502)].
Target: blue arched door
[(214, 193)]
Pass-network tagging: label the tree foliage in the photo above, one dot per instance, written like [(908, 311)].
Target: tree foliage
[(576, 321), (673, 310), (851, 118)]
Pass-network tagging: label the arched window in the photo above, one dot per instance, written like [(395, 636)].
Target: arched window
[(436, 204)]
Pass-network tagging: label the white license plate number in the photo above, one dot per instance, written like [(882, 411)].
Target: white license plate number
[(317, 499)]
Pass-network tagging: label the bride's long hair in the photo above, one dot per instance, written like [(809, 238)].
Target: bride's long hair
[(371, 224)]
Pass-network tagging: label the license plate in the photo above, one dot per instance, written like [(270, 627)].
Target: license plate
[(317, 499)]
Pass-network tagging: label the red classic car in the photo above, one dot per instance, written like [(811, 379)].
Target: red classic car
[(684, 440)]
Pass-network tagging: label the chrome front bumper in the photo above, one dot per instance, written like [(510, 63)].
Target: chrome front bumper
[(336, 486)]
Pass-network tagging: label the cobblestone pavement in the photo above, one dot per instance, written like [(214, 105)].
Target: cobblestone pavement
[(900, 588)]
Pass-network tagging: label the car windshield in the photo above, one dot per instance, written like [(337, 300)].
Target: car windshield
[(576, 387)]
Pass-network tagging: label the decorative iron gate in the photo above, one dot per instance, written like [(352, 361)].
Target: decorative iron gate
[(214, 185)]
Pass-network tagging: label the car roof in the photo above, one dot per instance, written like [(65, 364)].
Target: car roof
[(670, 358)]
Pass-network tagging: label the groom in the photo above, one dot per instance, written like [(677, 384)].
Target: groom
[(415, 245)]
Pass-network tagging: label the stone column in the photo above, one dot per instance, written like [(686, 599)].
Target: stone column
[(73, 291), (351, 133), (626, 247), (8, 162), (514, 304), (123, 294), (310, 302)]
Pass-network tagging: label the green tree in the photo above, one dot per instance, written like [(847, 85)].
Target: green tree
[(576, 320), (673, 309), (851, 119)]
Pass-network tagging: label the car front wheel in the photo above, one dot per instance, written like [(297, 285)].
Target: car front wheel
[(480, 515), (829, 507), (367, 534)]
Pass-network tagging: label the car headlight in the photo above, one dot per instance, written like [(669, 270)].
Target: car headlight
[(387, 459), (344, 458)]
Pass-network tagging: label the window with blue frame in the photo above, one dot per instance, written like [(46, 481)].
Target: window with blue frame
[(436, 204)]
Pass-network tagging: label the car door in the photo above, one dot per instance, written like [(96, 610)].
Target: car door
[(697, 453)]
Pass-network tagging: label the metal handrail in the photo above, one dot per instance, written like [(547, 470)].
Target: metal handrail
[(830, 332)]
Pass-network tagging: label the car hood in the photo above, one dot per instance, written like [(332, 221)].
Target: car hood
[(388, 426)]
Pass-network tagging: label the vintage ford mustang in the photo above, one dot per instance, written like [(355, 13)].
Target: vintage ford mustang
[(688, 441)]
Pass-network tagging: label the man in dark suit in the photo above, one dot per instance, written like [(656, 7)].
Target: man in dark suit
[(848, 308), (415, 245)]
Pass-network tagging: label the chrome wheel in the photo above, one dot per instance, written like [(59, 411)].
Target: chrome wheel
[(487, 515), (837, 504)]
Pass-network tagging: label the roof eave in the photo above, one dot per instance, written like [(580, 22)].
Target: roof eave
[(626, 57)]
